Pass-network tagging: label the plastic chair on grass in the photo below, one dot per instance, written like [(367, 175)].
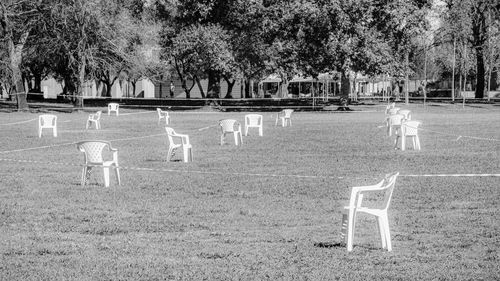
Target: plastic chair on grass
[(162, 114), (378, 208), (94, 118), (113, 107), (285, 116), (409, 129), (178, 140), (254, 121), (94, 155), (47, 121), (406, 113), (231, 126), (393, 123)]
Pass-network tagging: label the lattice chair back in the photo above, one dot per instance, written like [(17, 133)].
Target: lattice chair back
[(410, 128), (113, 107), (48, 121)]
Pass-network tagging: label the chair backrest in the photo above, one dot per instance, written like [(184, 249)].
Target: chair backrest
[(393, 110), (93, 150), (406, 113), (389, 106), (253, 119), (227, 125), (395, 119), (113, 106), (287, 112), (47, 120), (410, 128), (97, 115), (388, 185)]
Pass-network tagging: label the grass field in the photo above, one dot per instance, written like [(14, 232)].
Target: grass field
[(268, 210)]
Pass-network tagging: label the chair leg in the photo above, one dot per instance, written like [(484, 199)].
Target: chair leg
[(381, 230), (39, 132), (170, 153), (343, 229), (117, 174), (106, 176), (350, 230), (403, 142), (84, 176), (385, 221), (246, 131), (290, 120), (54, 131), (236, 138), (417, 142), (185, 152), (222, 138)]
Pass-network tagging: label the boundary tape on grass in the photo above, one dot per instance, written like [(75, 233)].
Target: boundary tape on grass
[(238, 173)]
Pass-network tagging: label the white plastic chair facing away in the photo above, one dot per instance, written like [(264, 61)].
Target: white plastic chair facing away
[(47, 121), (409, 129), (94, 155), (231, 126), (94, 118), (406, 113), (113, 107), (285, 116), (393, 123), (178, 140), (377, 209), (163, 115), (254, 121)]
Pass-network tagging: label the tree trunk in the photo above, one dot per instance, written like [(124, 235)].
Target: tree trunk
[(479, 32), (213, 89), (230, 86), (407, 78)]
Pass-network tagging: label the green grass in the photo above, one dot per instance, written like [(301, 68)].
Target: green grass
[(245, 213)]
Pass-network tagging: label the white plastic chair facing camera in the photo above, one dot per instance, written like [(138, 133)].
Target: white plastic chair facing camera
[(163, 115), (378, 208), (47, 121), (393, 123), (406, 113), (254, 121), (94, 118), (94, 155), (113, 107), (409, 129), (393, 110), (178, 140), (285, 116), (231, 126)]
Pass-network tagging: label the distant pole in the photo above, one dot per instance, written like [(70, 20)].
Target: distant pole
[(453, 72)]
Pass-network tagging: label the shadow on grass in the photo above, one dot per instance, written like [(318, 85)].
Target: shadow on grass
[(329, 245)]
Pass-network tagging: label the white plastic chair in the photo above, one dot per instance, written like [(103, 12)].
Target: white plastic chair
[(47, 121), (254, 121), (377, 208), (285, 116), (393, 123), (409, 129), (231, 126), (94, 118), (406, 113), (113, 107), (162, 114), (94, 155), (175, 141)]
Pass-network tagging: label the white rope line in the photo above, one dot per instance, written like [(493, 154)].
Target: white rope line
[(38, 147), (20, 122), (238, 173)]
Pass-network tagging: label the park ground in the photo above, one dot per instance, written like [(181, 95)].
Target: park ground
[(268, 210)]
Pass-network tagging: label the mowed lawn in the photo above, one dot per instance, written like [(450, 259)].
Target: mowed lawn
[(268, 210)]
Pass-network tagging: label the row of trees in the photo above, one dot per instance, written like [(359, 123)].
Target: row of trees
[(124, 40)]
